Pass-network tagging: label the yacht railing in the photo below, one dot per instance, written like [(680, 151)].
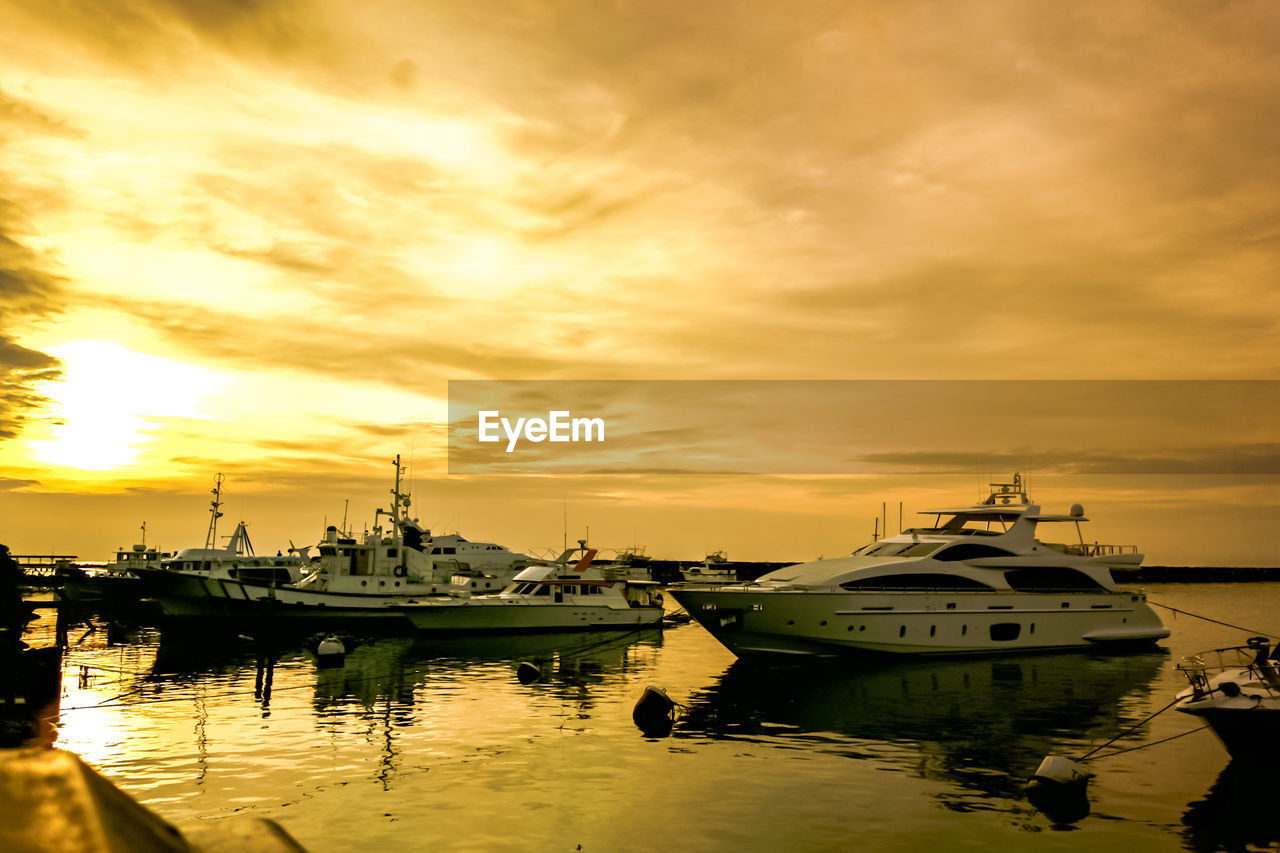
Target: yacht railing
[(1203, 666), (1092, 549)]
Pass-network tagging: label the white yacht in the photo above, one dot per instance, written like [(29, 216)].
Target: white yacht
[(1237, 692), (549, 597), (351, 579), (978, 581), (716, 569)]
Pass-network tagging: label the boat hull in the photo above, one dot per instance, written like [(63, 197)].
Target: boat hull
[(783, 622), (182, 595), (1247, 733), (496, 615)]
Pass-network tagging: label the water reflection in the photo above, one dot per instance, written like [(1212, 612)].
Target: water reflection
[(1238, 811), (388, 674), (980, 723)]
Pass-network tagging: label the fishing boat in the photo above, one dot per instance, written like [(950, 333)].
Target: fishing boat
[(548, 597), (977, 580), (351, 579), (1237, 692)]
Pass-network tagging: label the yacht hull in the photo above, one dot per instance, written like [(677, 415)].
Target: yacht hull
[(780, 622), (493, 614), (184, 595)]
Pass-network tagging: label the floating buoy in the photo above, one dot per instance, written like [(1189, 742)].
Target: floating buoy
[(654, 713), (1059, 789), (527, 673), (1060, 770), (331, 652)]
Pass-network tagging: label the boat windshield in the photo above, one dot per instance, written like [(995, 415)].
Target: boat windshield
[(897, 549)]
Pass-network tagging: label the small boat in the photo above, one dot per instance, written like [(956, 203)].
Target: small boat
[(548, 597), (1236, 691), (978, 581)]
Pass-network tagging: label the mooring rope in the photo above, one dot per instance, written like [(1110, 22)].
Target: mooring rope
[(1152, 743), (1130, 730), (1215, 621)]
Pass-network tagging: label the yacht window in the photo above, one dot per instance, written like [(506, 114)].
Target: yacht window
[(1003, 632), (918, 580), (919, 549), (543, 590), (1051, 578), (570, 589), (885, 549), (971, 551), (391, 552)]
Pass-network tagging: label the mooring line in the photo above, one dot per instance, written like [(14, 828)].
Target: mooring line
[(1152, 743), (1130, 730), (1215, 621)]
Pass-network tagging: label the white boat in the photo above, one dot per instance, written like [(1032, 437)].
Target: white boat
[(351, 579), (139, 556), (549, 597), (1237, 692), (191, 572), (978, 581), (714, 569)]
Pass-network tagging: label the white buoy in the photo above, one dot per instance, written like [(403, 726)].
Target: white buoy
[(1061, 770), (331, 652), (1059, 789)]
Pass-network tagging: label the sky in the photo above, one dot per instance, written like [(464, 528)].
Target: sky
[(261, 238)]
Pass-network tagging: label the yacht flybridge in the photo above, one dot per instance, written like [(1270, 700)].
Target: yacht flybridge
[(978, 580)]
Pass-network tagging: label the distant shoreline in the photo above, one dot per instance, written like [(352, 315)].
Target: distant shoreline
[(748, 569), (1196, 574)]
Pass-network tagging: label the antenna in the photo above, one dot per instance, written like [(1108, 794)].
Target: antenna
[(211, 538), (144, 535), (345, 505)]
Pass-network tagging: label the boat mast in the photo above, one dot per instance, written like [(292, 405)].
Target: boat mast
[(211, 538), (398, 499)]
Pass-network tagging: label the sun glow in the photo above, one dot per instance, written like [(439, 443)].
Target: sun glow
[(104, 407)]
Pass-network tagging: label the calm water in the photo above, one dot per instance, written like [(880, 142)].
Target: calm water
[(417, 745)]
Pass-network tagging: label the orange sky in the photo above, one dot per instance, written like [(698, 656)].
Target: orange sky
[(260, 237)]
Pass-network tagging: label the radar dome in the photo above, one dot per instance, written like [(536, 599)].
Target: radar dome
[(1077, 511)]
